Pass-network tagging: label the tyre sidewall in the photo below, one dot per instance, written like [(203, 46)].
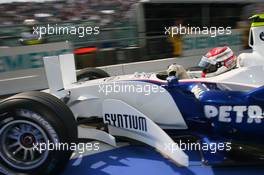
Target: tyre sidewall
[(49, 123)]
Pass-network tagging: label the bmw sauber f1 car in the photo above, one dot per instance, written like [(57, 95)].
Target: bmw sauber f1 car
[(152, 108)]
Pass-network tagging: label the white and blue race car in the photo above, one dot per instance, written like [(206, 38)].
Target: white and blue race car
[(142, 107), (151, 108)]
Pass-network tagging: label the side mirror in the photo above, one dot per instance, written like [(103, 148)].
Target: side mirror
[(172, 81)]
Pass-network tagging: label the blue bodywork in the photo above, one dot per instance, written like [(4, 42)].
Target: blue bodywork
[(192, 97), (230, 121), (227, 125)]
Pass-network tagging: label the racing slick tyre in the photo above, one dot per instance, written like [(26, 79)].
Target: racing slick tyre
[(36, 132), (91, 74)]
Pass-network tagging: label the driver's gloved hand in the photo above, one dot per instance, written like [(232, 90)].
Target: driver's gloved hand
[(178, 71)]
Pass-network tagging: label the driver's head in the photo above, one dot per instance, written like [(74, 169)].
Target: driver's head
[(217, 61)]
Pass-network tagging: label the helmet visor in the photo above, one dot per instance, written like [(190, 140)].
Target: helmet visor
[(206, 66), (204, 63)]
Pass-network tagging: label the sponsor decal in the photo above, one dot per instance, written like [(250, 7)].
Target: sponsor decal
[(198, 90), (126, 121), (249, 114), (142, 75)]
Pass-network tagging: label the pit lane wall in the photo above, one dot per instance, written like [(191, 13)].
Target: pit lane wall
[(21, 68)]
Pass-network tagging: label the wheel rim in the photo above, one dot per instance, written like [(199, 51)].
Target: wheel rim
[(17, 144)]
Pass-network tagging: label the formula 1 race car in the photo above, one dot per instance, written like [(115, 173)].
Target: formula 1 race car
[(151, 108)]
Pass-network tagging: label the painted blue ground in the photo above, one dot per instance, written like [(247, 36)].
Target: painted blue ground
[(141, 160)]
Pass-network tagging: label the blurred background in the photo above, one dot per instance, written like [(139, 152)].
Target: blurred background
[(130, 30)]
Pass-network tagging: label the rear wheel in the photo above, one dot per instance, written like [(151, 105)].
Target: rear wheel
[(31, 125), (91, 74)]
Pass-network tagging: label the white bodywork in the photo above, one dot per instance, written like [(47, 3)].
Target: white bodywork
[(88, 99), (120, 108), (152, 135)]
